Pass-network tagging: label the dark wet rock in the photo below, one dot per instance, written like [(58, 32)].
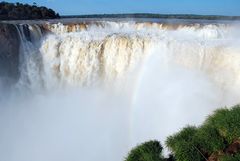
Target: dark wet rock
[(233, 148), (9, 52)]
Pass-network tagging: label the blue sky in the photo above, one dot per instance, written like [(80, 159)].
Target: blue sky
[(205, 7)]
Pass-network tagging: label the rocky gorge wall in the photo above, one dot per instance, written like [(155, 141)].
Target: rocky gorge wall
[(9, 52)]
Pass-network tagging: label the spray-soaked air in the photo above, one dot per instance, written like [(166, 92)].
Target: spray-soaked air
[(91, 91)]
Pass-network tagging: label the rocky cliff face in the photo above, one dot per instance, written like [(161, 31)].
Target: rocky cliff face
[(9, 52)]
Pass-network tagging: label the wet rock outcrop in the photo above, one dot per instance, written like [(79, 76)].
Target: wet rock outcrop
[(9, 52)]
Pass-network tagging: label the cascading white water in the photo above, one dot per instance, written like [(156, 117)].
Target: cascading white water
[(166, 76), (106, 51), (29, 55)]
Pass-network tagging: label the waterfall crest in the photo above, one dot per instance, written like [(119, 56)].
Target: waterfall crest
[(87, 54)]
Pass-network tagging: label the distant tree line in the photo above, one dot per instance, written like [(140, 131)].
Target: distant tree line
[(19, 11), (163, 16)]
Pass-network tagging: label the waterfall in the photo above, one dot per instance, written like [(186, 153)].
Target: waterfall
[(105, 86), (103, 52), (29, 57)]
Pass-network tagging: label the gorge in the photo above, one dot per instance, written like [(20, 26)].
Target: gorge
[(76, 86)]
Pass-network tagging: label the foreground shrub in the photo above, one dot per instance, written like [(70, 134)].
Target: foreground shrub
[(148, 151), (208, 140), (183, 145), (227, 122), (218, 137)]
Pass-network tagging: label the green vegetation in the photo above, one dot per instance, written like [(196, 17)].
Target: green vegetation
[(19, 11), (227, 122), (183, 145), (149, 151), (217, 138)]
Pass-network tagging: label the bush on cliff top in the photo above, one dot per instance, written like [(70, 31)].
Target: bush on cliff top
[(218, 138), (183, 145), (19, 11), (148, 151)]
